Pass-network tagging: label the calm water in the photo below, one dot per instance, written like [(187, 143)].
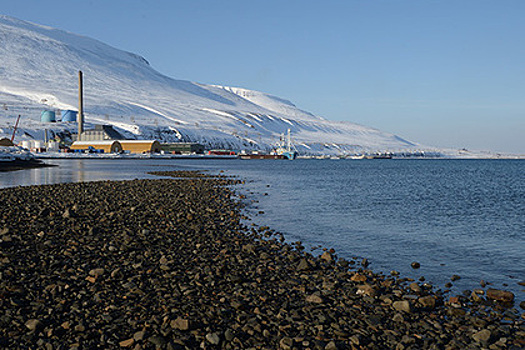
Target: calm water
[(464, 217)]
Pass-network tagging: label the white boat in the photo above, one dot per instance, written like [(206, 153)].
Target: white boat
[(286, 149)]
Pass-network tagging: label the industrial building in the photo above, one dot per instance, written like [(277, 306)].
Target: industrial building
[(105, 137), (107, 146), (182, 148), (100, 133), (141, 146)]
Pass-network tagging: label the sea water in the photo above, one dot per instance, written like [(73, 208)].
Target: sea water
[(463, 217)]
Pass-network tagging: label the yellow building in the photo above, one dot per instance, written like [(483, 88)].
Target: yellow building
[(108, 146), (141, 146)]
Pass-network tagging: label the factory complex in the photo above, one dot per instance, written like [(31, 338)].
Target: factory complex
[(101, 139)]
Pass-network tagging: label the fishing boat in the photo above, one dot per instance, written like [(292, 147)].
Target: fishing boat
[(359, 156), (379, 156), (262, 156), (283, 151), (285, 148)]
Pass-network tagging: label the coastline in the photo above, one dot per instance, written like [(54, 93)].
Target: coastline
[(169, 263)]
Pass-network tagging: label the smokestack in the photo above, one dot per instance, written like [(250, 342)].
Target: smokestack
[(80, 117)]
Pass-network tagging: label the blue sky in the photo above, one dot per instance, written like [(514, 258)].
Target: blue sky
[(445, 73)]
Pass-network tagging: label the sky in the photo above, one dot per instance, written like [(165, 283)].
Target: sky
[(444, 73)]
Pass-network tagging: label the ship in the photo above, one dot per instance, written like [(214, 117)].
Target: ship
[(283, 151)]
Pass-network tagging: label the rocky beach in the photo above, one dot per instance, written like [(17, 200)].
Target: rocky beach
[(173, 263)]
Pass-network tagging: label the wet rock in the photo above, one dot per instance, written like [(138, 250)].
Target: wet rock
[(474, 296), (415, 287), (415, 265), (482, 283), (428, 302), (455, 278), (326, 256), (500, 295)]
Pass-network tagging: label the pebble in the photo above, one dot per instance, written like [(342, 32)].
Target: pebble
[(127, 343), (213, 338), (33, 324), (403, 305), (415, 265), (500, 295), (455, 278), (482, 336)]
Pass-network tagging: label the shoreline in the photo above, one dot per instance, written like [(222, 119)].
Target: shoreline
[(169, 263)]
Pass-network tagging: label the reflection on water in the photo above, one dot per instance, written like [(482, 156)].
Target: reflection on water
[(81, 170)]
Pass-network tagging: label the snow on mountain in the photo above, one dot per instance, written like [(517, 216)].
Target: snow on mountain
[(38, 71)]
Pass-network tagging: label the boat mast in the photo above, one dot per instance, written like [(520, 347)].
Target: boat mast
[(289, 141)]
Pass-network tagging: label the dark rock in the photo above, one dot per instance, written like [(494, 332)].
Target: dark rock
[(213, 338), (500, 295), (180, 324), (403, 305), (415, 287), (482, 336), (286, 343), (428, 302), (415, 265), (303, 265), (33, 324), (157, 340)]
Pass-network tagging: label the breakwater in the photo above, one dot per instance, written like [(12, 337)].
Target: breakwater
[(169, 263)]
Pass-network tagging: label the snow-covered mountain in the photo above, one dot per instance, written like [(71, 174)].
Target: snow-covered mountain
[(38, 71)]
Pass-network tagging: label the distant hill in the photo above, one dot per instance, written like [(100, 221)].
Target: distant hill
[(38, 71)]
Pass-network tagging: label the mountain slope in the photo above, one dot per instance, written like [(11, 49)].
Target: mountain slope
[(39, 69)]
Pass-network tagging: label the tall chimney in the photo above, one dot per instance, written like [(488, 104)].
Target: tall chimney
[(80, 116)]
